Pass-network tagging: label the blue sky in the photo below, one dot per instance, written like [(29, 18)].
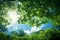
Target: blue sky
[(26, 28)]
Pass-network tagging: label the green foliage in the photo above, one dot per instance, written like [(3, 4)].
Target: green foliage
[(40, 9), (34, 12), (3, 28), (4, 36), (20, 33), (49, 34)]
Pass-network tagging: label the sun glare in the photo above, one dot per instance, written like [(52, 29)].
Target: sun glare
[(12, 15)]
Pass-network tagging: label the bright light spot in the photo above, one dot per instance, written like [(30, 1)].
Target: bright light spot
[(42, 25), (27, 31), (20, 3), (34, 29), (15, 28), (41, 5), (13, 15)]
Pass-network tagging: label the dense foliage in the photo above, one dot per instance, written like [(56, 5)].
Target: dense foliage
[(41, 11), (34, 13), (50, 34)]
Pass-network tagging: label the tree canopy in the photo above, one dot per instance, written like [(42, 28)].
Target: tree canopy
[(33, 12)]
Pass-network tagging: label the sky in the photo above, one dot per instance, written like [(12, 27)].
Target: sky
[(26, 28)]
